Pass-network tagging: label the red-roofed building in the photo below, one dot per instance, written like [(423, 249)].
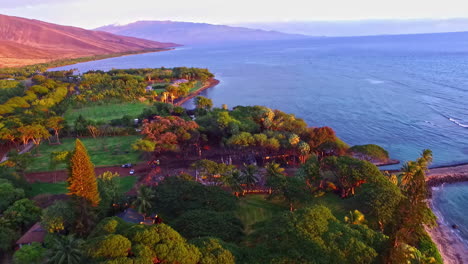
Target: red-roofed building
[(35, 234)]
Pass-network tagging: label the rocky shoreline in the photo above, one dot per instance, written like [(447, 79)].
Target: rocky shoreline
[(449, 174)]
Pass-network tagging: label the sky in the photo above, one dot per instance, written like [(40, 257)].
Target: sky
[(94, 13)]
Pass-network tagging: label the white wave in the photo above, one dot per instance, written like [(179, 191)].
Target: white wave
[(457, 122), (374, 81)]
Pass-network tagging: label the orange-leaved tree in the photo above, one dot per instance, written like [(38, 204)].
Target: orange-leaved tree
[(82, 179)]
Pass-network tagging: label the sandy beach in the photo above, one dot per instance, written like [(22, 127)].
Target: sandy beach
[(451, 247)]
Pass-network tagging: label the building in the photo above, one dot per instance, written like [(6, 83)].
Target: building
[(35, 234)]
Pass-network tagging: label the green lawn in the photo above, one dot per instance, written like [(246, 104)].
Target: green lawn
[(339, 207), (106, 112), (197, 86), (104, 151), (126, 183), (256, 208)]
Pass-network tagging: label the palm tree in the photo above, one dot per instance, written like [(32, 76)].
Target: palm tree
[(273, 169), (67, 249), (249, 176), (143, 203), (233, 180), (355, 218)]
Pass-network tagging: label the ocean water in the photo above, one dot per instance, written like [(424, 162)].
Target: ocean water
[(447, 199), (405, 93)]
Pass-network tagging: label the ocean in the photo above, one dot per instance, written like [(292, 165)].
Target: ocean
[(405, 93)]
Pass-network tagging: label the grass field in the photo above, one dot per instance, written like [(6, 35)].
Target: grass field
[(197, 86), (339, 207), (106, 112), (104, 151), (126, 183), (256, 208)]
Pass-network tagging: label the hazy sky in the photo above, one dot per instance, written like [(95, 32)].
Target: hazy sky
[(94, 13)]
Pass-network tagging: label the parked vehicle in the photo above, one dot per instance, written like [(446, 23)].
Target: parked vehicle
[(127, 165)]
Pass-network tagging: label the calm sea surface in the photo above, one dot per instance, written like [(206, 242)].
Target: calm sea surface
[(405, 93)]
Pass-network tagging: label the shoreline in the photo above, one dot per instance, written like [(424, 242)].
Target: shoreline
[(451, 247), (212, 82)]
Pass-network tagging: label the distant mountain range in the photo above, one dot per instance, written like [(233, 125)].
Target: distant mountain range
[(365, 27), (195, 33), (26, 41)]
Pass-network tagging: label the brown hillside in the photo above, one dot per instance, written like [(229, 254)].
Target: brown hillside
[(26, 41)]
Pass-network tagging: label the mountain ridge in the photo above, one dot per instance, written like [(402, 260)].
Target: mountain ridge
[(194, 33), (26, 41)]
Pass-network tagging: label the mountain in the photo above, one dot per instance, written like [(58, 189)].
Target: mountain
[(194, 33), (26, 41), (365, 27)]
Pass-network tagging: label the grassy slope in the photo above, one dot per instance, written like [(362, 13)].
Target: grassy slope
[(126, 183), (105, 112), (104, 151), (256, 208)]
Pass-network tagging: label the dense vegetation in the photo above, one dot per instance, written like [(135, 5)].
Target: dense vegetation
[(258, 185)]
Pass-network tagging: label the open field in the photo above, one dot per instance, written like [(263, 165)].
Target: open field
[(104, 151), (256, 208), (125, 183), (339, 207), (105, 112)]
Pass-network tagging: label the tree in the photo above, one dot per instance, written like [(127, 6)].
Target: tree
[(56, 123), (168, 133), (310, 172), (202, 102), (318, 136), (314, 235), (30, 254), (9, 194), (82, 180), (249, 175), (349, 173), (58, 217), (143, 202), (109, 190), (35, 133), (213, 252), (65, 250), (292, 189), (144, 145), (167, 245), (20, 161), (379, 200), (7, 237), (200, 223), (109, 247), (413, 212), (355, 217), (215, 172), (22, 214)]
